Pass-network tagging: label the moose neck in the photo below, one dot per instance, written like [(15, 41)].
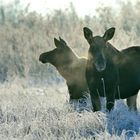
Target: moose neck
[(67, 69), (112, 53)]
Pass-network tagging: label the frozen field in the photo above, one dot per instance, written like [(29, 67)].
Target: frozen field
[(42, 113), (39, 110)]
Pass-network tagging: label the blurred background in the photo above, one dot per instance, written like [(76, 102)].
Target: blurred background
[(28, 27)]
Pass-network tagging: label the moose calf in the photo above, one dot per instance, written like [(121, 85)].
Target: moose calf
[(70, 66)]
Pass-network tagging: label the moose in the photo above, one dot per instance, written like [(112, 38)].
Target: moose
[(111, 73), (70, 66)]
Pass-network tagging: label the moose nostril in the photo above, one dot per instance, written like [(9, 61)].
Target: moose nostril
[(39, 58)]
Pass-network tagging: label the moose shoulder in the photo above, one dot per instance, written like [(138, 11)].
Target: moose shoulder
[(110, 72), (70, 66)]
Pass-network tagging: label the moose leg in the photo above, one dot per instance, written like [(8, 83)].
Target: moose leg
[(132, 102), (110, 96), (95, 99), (110, 102)]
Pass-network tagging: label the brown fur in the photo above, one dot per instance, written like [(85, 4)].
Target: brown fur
[(70, 66)]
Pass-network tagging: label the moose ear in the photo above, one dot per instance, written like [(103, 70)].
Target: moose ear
[(109, 34), (87, 33), (57, 43), (62, 40)]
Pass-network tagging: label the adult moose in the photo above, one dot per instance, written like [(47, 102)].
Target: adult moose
[(70, 66), (111, 73)]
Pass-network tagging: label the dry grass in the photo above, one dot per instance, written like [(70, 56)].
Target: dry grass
[(39, 113), (22, 42), (33, 99)]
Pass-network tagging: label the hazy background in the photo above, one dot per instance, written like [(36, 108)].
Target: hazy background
[(34, 97), (27, 28)]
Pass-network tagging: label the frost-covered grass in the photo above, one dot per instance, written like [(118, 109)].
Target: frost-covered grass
[(43, 113)]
